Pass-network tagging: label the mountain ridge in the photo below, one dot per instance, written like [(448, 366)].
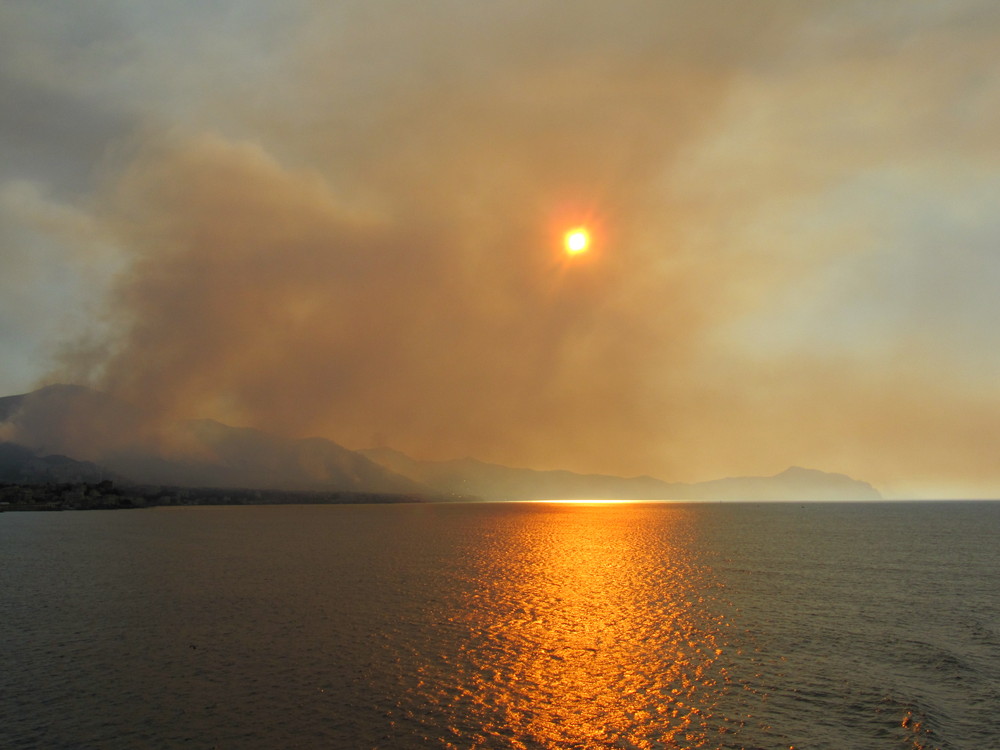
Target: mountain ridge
[(87, 425), (496, 482), (105, 434)]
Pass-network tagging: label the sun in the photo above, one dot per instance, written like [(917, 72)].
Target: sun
[(576, 241)]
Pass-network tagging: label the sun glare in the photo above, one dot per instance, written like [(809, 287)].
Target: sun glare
[(576, 241), (586, 501)]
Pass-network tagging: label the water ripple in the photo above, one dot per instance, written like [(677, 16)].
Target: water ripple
[(496, 626)]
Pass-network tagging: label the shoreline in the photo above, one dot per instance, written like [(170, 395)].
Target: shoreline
[(106, 495)]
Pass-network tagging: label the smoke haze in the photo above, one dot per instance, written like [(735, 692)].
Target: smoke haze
[(345, 220)]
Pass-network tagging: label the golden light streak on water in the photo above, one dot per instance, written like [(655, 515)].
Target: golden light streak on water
[(604, 640), (583, 501), (488, 625)]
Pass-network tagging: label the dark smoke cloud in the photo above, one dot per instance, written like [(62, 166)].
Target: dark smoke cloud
[(259, 297), (343, 219), (382, 257)]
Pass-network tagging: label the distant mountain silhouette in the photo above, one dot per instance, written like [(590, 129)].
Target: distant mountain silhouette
[(467, 476), (244, 457), (20, 465), (75, 431), (795, 483), (71, 420), (88, 425), (496, 482)]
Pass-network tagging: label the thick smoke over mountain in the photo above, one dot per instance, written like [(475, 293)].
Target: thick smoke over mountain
[(345, 220)]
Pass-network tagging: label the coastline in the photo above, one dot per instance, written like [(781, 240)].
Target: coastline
[(106, 495)]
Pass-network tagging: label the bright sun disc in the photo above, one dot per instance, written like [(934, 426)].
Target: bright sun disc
[(576, 241)]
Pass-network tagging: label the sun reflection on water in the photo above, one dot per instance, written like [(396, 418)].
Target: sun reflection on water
[(585, 501), (602, 638)]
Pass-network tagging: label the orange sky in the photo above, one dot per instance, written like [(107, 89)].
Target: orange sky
[(346, 219)]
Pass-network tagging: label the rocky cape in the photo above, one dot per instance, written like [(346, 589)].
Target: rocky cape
[(74, 434)]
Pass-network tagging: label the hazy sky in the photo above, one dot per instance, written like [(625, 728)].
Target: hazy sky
[(344, 219)]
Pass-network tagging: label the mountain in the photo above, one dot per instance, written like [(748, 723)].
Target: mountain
[(71, 429), (71, 420), (91, 426), (794, 483), (244, 457), (496, 482), (467, 476), (20, 465)]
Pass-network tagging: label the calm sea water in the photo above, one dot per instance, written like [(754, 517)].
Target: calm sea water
[(496, 626)]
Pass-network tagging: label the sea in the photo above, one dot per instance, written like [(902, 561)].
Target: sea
[(503, 625)]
